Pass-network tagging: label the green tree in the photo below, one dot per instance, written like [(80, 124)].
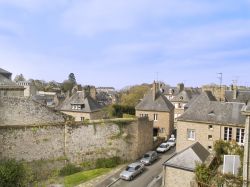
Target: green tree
[(72, 78), (67, 85), (132, 96), (19, 78)]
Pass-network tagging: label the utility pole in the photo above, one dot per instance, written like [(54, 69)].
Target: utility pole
[(220, 78)]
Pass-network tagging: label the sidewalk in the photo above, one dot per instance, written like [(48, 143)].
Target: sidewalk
[(104, 180)]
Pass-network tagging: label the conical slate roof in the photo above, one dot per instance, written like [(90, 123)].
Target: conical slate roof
[(160, 103)]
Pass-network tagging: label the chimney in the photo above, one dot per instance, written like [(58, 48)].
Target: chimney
[(155, 89), (235, 91), (180, 87), (92, 92)]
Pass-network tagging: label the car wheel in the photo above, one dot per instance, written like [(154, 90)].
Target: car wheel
[(131, 178)]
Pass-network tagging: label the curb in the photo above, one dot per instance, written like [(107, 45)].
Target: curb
[(113, 182)]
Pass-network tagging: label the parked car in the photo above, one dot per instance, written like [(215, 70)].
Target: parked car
[(171, 141), (132, 170), (149, 157), (163, 147)]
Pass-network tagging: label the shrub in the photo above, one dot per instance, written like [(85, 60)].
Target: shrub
[(107, 162), (69, 169), (14, 174)]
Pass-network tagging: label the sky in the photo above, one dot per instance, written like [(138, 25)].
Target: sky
[(126, 42)]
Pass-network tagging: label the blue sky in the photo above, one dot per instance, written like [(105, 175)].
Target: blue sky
[(126, 42)]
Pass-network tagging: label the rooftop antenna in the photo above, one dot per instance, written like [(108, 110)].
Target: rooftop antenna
[(220, 79)]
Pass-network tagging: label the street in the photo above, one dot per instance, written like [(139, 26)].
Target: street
[(147, 176)]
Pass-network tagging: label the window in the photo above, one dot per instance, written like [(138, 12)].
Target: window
[(146, 115), (179, 105), (210, 127), (191, 134), (161, 130), (155, 117), (82, 118), (240, 136), (209, 148), (141, 115), (210, 137), (227, 133)]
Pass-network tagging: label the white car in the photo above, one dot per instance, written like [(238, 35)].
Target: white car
[(163, 147), (171, 142)]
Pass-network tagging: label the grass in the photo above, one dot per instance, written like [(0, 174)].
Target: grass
[(81, 177)]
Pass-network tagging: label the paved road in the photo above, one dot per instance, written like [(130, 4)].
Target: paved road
[(147, 176)]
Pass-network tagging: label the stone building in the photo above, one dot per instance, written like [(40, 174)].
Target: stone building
[(82, 105), (179, 169), (30, 88), (8, 87), (237, 95), (158, 108), (183, 98), (208, 120), (217, 90), (246, 158)]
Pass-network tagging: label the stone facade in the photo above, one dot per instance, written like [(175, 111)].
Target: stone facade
[(174, 177), (30, 88), (128, 139), (22, 111), (205, 133), (80, 116), (164, 122)]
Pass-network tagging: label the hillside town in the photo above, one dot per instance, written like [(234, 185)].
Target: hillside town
[(162, 136)]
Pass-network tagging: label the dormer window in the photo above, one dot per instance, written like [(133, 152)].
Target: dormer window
[(77, 106)]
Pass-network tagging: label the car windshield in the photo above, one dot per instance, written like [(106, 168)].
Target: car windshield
[(146, 156), (130, 169), (163, 146), (170, 140)]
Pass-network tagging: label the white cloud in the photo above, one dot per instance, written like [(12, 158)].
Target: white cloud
[(92, 17)]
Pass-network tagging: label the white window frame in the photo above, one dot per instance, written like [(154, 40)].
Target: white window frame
[(191, 134), (241, 135), (227, 131), (155, 117)]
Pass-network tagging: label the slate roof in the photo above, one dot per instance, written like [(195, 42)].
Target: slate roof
[(246, 108), (161, 103), (243, 96), (7, 83), (80, 98), (4, 71), (188, 158), (203, 109), (186, 95)]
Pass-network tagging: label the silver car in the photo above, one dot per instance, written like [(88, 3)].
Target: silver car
[(149, 157), (132, 170)]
